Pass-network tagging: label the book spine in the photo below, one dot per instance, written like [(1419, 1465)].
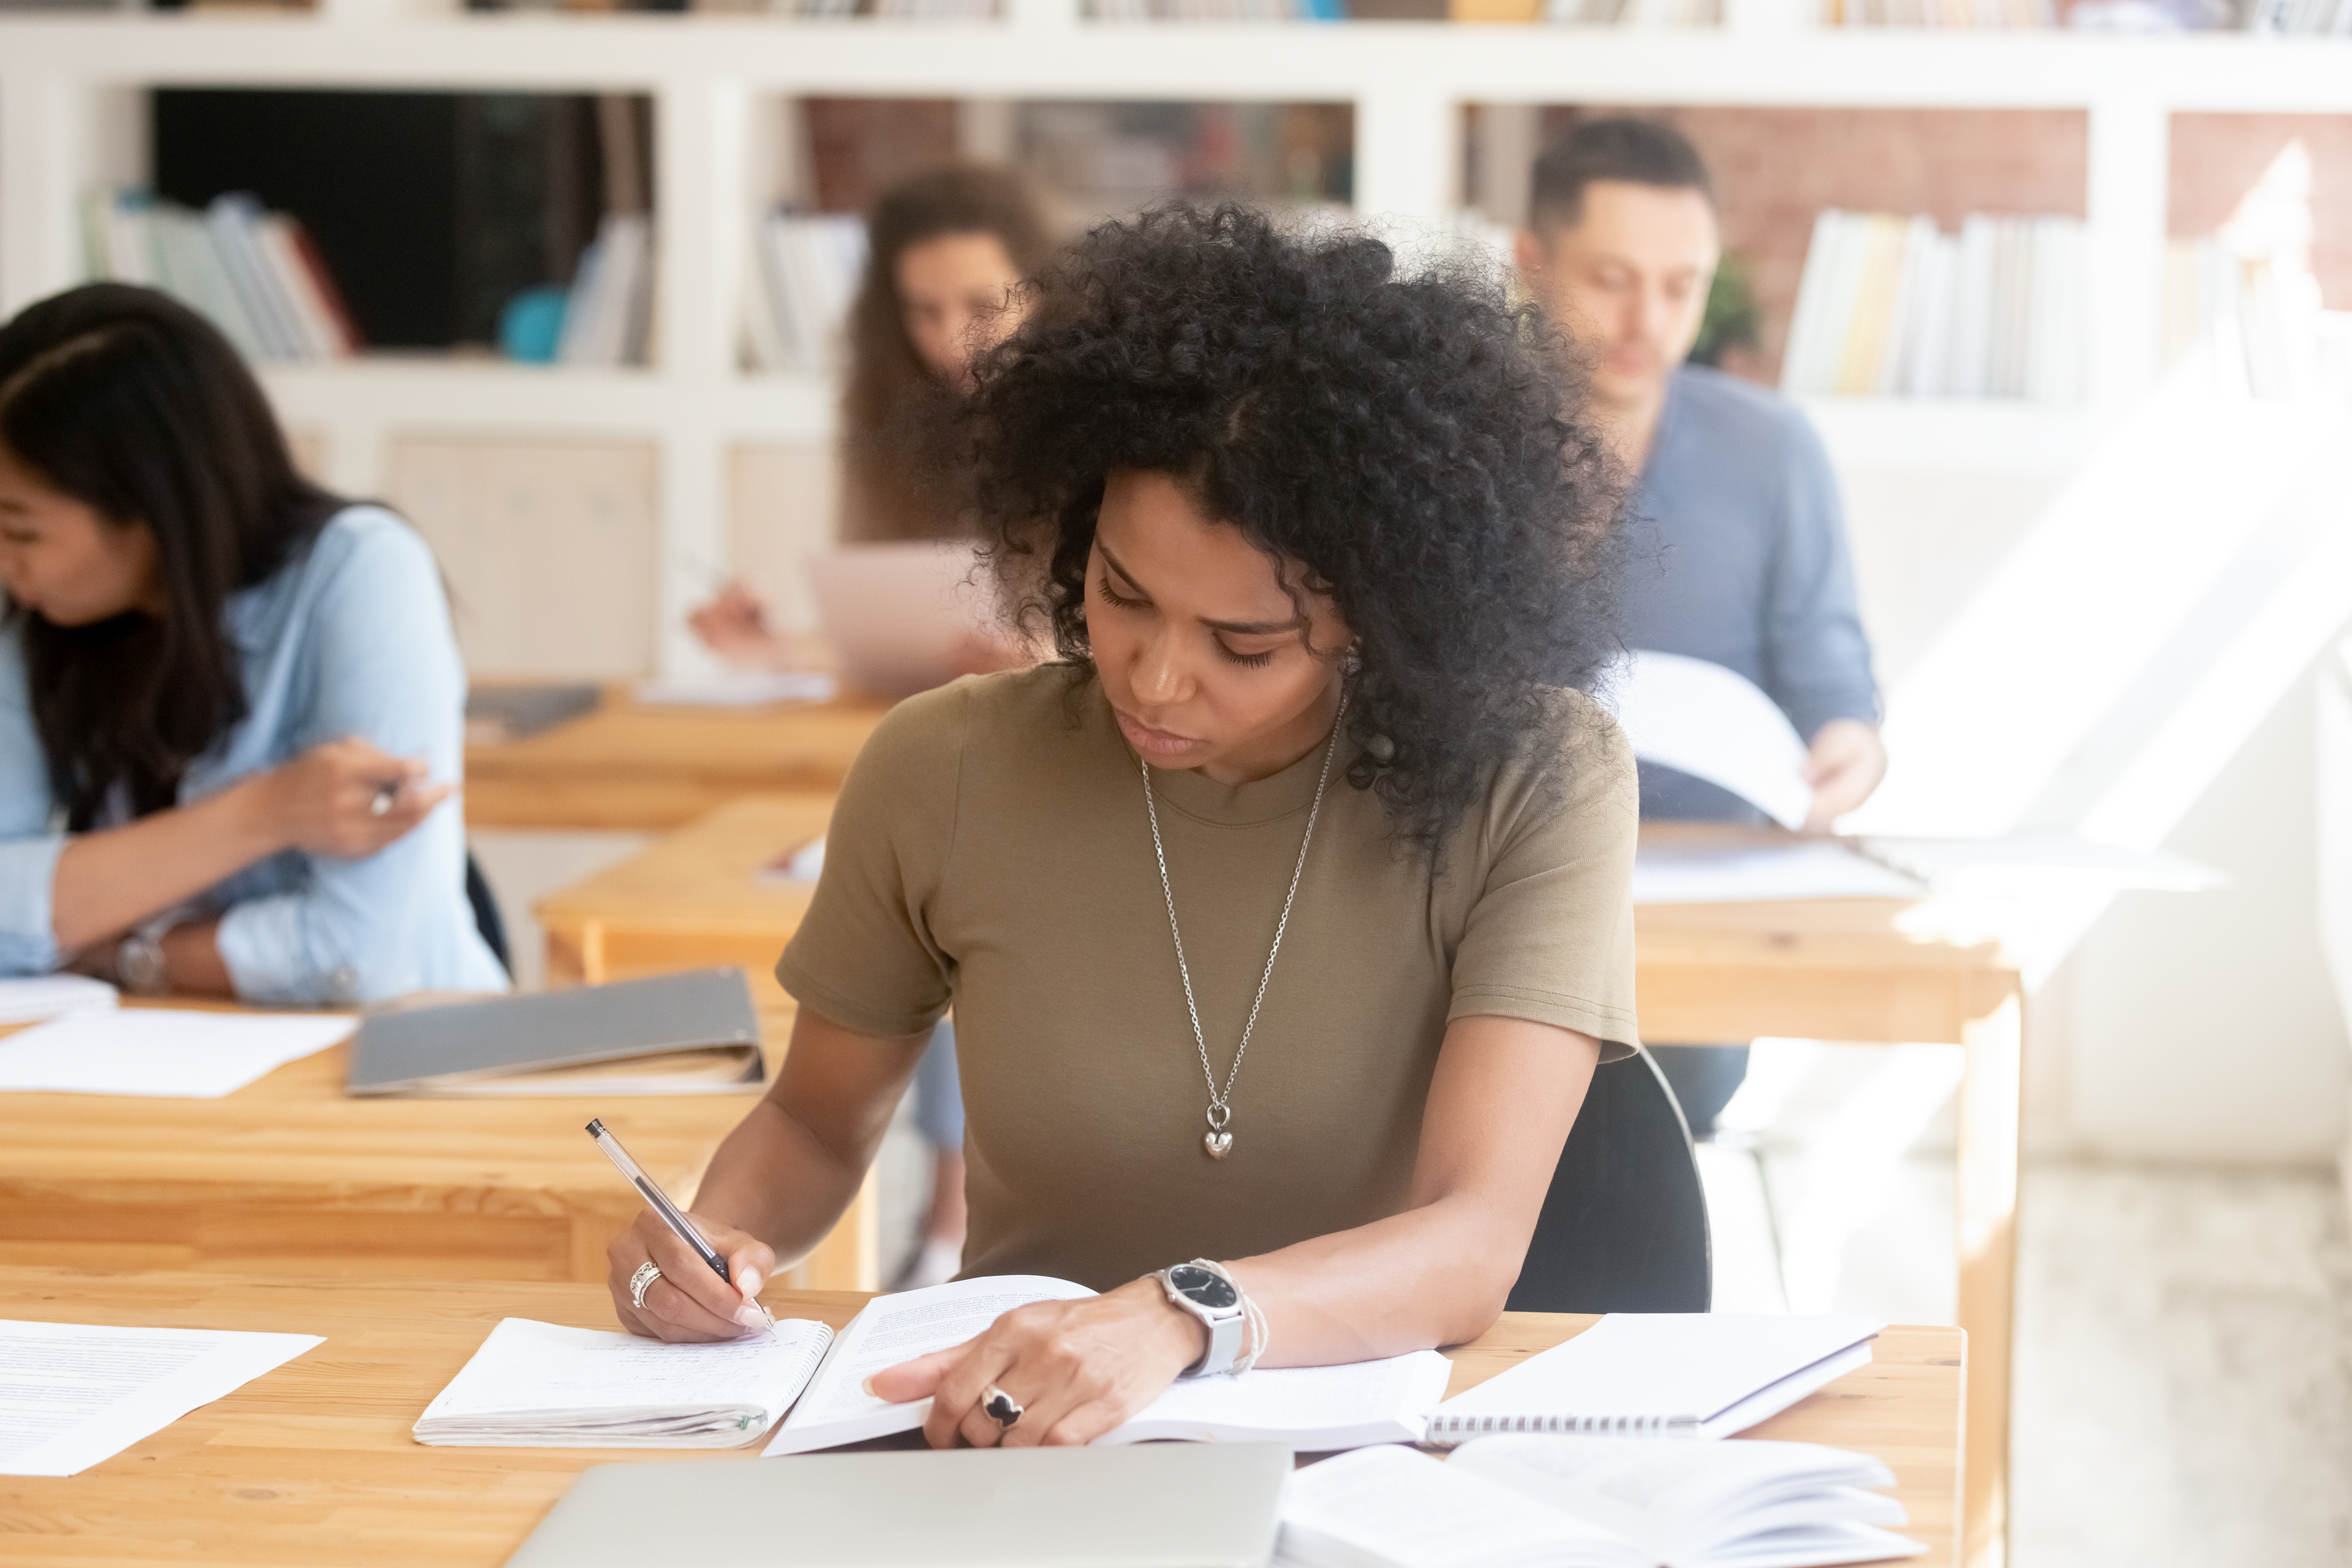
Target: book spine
[(1449, 1431)]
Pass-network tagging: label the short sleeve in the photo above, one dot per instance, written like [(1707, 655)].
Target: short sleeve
[(1550, 936), (863, 956)]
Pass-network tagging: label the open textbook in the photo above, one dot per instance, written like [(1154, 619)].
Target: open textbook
[(1307, 1407), (1663, 1375), (535, 1385), (1593, 1502)]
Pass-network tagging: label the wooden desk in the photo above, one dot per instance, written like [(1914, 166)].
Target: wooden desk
[(1874, 971), (312, 1465), (693, 898), (291, 1176), (634, 768), (1880, 971)]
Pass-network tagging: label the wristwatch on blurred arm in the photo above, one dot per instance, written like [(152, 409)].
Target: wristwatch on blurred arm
[(139, 966)]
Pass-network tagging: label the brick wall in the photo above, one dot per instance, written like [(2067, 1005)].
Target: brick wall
[(2217, 158)]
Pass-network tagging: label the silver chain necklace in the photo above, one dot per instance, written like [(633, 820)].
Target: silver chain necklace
[(1218, 1140)]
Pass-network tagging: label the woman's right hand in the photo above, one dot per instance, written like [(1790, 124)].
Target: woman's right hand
[(689, 1304), (324, 802), (734, 625)]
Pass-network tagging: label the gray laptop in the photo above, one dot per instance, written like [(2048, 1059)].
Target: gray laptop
[(691, 1033), (1147, 1505)]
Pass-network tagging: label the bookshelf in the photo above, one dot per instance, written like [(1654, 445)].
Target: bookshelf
[(73, 86)]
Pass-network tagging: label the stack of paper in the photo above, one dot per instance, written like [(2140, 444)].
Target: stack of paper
[(535, 1385), (47, 995)]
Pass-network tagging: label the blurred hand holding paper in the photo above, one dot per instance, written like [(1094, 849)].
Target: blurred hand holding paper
[(1715, 724)]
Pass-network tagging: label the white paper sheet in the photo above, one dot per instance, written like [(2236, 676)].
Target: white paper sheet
[(51, 996), (1714, 724), (737, 689), (2021, 868), (1761, 873), (72, 1396), (161, 1051)]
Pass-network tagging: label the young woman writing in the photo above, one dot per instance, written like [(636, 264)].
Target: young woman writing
[(230, 703), (1285, 920)]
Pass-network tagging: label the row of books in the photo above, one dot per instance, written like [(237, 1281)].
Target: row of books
[(2259, 316), (805, 271), (255, 274), (608, 312), (2301, 18), (1892, 307), (1219, 10)]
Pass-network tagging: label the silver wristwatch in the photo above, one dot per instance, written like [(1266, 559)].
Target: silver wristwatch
[(1209, 1293), (139, 965)]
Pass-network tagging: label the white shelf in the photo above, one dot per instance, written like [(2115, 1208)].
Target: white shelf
[(69, 85)]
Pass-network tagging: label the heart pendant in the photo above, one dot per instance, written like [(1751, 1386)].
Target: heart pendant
[(1216, 1144)]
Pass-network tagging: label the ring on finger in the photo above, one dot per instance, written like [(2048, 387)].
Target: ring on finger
[(1000, 1407), (641, 1281)]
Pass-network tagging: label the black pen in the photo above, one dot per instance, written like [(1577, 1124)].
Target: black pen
[(671, 1215)]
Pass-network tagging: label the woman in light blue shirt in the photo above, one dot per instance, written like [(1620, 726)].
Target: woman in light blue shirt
[(231, 708)]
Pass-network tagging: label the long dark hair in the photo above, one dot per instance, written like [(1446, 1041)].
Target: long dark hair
[(898, 442), (1409, 437), (137, 407)]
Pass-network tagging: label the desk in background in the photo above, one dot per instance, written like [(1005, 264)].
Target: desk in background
[(1879, 971), (312, 1464), (633, 767), (1872, 971), (290, 1175)]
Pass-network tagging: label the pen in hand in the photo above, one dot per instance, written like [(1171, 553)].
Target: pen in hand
[(670, 1214)]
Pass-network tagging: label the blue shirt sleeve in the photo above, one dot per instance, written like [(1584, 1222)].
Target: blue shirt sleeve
[(1816, 655), (28, 848), (372, 656)]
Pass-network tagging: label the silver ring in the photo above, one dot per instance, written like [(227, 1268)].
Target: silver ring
[(1000, 1407), (641, 1281), (384, 796)]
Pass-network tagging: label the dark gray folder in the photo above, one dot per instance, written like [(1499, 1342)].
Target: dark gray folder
[(693, 1033)]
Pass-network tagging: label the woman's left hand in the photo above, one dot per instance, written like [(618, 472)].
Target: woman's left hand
[(1076, 1368)]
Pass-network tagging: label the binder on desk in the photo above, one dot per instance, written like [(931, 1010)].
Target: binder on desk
[(691, 1033)]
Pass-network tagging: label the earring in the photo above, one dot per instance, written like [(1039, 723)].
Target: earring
[(1351, 663)]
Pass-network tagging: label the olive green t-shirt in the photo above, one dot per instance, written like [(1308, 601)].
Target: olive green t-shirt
[(991, 851)]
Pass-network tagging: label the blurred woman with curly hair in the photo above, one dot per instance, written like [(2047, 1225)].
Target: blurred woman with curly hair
[(1285, 917)]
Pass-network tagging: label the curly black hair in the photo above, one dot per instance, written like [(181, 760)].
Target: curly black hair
[(1406, 437)]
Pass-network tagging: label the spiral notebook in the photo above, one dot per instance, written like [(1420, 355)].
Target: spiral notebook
[(1663, 1375)]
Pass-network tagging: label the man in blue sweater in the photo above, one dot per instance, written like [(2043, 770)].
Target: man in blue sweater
[(1739, 546)]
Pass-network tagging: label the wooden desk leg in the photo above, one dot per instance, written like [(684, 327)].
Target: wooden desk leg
[(591, 952), (1986, 1193), (850, 1258)]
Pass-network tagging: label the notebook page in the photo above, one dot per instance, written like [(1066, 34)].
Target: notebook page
[(1660, 1368), (546, 1369), (1330, 1406), (1395, 1506), (161, 1051), (72, 1396), (1683, 1500), (894, 1329)]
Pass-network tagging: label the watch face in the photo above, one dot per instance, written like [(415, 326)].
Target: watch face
[(1212, 1291)]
